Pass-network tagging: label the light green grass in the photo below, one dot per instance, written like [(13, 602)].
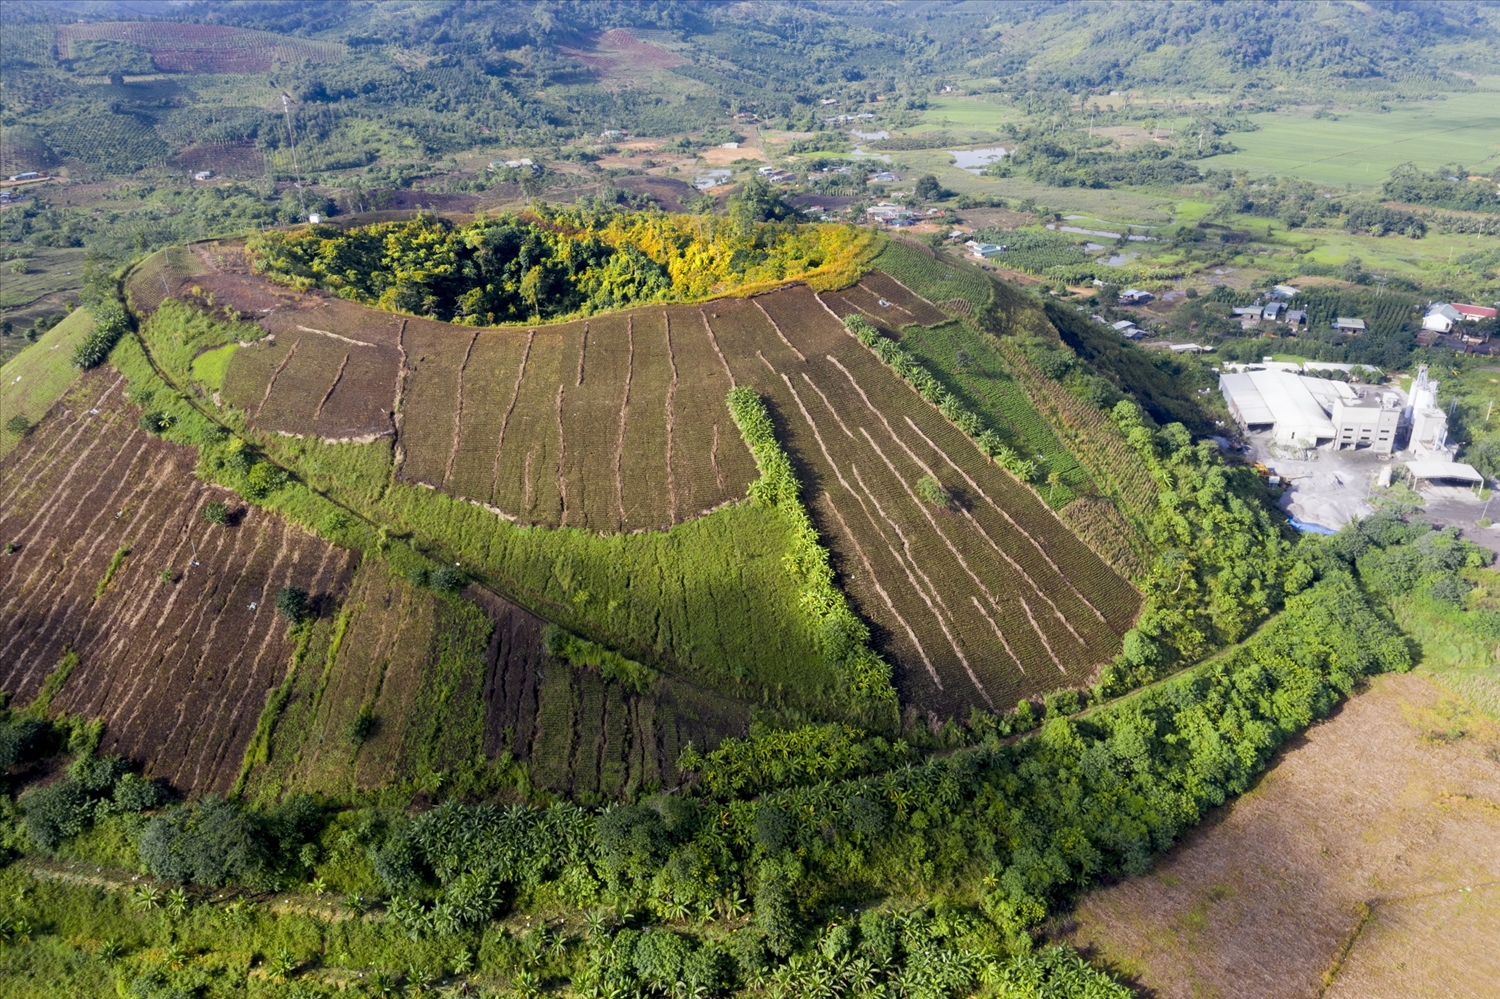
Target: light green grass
[(972, 111), (209, 366), (48, 269), (1361, 147), (37, 377), (1460, 657)]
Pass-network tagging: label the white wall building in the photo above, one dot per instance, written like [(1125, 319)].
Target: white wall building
[(1308, 412)]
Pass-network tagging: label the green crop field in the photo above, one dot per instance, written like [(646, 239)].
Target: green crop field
[(36, 378), (1360, 147)]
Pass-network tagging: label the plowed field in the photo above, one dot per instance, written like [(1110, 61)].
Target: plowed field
[(179, 667), (980, 602), (618, 423)]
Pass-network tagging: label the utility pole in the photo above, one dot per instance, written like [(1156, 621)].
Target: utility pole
[(286, 105)]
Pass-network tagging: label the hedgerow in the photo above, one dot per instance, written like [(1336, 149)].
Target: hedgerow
[(843, 638), (109, 325)]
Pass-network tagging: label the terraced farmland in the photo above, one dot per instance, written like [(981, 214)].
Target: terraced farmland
[(979, 602), (618, 424), (173, 619)]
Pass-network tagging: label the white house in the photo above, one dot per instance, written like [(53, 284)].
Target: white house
[(1441, 317)]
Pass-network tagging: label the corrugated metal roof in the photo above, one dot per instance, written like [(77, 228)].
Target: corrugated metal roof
[(1443, 470)]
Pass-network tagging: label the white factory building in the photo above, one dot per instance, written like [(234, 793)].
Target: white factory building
[(1309, 412)]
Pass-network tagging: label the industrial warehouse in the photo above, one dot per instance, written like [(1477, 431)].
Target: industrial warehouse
[(1301, 412)]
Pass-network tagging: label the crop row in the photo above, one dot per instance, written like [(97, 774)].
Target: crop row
[(614, 424), (918, 268), (1094, 439), (978, 598), (173, 618)]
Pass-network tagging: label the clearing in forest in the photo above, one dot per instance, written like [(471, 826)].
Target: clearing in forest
[(177, 657)]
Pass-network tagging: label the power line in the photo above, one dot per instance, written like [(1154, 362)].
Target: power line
[(286, 105)]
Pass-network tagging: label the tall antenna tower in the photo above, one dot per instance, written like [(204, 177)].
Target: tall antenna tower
[(286, 105)]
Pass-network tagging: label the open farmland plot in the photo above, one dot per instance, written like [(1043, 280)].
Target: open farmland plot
[(981, 602), (179, 668), (883, 301), (202, 48), (446, 682), (617, 423)]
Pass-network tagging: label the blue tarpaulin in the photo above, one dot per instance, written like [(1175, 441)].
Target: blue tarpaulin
[(1310, 528)]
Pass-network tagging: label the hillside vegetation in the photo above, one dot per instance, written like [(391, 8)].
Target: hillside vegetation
[(557, 263)]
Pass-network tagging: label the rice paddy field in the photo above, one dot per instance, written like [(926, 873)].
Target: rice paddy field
[(1360, 147)]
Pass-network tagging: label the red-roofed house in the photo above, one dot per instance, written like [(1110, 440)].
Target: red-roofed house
[(1473, 313)]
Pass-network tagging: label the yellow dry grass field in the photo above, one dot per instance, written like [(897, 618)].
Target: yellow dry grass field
[(1365, 864)]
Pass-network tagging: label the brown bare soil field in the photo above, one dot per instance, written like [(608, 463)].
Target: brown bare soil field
[(665, 191), (575, 424), (240, 160), (1366, 863), (980, 603), (180, 668)]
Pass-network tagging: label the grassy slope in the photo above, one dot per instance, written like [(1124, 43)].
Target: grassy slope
[(37, 377)]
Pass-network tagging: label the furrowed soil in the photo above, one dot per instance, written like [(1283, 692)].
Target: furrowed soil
[(448, 681), (179, 667), (982, 601), (618, 424), (1366, 863)]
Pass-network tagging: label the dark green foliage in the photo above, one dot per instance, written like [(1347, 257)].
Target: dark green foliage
[(928, 189), (156, 421), (18, 425), (770, 759), (480, 857), (291, 603), (212, 842), (20, 739), (1397, 557), (775, 910), (1448, 187), (109, 325), (446, 579), (56, 812), (93, 789), (362, 725), (216, 513)]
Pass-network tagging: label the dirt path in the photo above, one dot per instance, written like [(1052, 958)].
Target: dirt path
[(1363, 864)]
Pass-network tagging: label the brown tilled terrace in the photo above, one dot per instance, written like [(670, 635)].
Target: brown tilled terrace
[(178, 667), (618, 423)]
